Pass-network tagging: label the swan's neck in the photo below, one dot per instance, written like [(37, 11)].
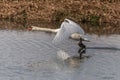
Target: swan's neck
[(45, 29)]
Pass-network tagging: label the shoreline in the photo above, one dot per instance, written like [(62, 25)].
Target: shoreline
[(99, 29)]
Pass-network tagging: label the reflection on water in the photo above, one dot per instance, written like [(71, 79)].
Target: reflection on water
[(8, 25), (99, 29), (103, 29), (28, 55)]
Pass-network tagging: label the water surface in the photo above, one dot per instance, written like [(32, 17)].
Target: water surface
[(30, 55)]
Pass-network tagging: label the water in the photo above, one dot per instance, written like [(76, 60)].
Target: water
[(30, 55)]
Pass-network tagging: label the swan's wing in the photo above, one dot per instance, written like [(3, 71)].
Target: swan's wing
[(81, 31), (61, 34), (65, 31)]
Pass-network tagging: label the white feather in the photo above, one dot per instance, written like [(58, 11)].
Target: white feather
[(67, 28), (75, 26)]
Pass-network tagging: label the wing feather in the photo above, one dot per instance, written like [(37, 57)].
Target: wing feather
[(61, 34), (76, 26), (66, 29)]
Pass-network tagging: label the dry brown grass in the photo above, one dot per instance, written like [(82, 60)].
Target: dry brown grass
[(57, 10)]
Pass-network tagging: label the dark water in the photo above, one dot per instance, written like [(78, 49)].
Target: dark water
[(30, 55)]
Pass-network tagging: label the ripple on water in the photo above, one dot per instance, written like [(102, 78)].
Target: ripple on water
[(31, 56)]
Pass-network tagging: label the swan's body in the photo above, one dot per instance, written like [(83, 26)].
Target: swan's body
[(67, 28)]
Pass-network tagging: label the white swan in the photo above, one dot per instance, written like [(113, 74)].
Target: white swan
[(66, 30)]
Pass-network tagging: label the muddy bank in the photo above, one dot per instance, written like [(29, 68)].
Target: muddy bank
[(55, 10), (102, 29)]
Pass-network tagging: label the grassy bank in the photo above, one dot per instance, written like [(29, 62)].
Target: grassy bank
[(56, 10)]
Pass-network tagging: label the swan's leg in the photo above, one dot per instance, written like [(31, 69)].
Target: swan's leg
[(81, 51)]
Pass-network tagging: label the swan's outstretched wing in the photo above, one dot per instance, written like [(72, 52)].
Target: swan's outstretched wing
[(61, 34), (66, 30), (81, 31)]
